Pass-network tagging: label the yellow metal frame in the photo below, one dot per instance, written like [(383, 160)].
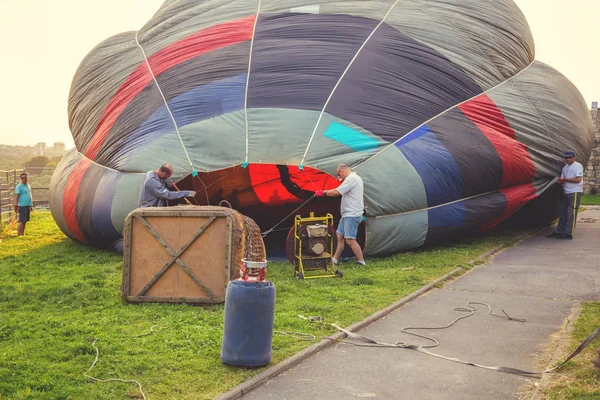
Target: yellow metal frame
[(299, 269)]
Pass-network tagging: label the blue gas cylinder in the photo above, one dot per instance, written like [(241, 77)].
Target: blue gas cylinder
[(248, 326)]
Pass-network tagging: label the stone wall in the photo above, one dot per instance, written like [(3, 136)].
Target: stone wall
[(591, 175)]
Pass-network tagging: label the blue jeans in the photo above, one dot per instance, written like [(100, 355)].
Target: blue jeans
[(569, 207), (348, 227)]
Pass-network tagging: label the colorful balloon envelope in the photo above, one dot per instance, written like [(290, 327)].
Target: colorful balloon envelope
[(439, 105)]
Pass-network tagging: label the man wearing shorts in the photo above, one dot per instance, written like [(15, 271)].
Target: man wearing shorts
[(352, 207), (23, 203)]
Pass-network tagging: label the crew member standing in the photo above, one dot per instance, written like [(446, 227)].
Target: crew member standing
[(23, 203), (572, 180), (352, 208)]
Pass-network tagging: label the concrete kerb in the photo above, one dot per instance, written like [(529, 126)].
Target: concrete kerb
[(271, 372)]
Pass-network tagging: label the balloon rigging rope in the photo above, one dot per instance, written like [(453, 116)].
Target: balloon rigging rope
[(265, 233), (171, 115), (342, 77), (87, 375), (111, 379), (451, 202), (356, 339), (248, 79), (164, 99)]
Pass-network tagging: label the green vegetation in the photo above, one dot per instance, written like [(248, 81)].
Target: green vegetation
[(590, 200), (17, 157), (40, 171), (57, 297), (578, 379)]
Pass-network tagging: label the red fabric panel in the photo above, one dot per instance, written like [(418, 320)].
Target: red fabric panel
[(205, 41), (266, 182), (518, 168), (312, 179), (69, 203), (516, 197), (267, 185)]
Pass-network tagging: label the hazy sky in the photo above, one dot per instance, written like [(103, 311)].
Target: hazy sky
[(43, 42)]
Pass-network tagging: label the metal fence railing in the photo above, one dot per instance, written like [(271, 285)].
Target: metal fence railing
[(10, 179)]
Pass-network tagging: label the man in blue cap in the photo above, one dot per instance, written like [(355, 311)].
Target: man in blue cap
[(571, 178)]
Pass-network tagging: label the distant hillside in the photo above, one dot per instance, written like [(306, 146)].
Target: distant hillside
[(17, 157), (14, 157)]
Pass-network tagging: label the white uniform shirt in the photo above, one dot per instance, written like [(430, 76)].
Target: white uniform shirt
[(352, 190), (572, 171)]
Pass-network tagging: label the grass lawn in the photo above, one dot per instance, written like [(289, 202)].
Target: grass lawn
[(590, 200), (57, 297), (578, 379)]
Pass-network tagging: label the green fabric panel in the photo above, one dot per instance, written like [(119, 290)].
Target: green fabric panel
[(391, 184), (126, 199), (391, 234), (212, 144), (269, 143)]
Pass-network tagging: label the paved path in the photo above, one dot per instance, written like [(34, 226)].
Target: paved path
[(539, 279)]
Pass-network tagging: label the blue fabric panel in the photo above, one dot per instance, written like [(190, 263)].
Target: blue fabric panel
[(417, 133), (448, 216), (351, 138), (103, 200), (474, 213), (478, 161), (200, 103), (436, 167), (85, 200)]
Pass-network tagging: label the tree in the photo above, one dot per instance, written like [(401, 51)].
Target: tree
[(37, 162)]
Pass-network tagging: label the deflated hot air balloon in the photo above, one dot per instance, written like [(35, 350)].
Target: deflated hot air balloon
[(438, 105)]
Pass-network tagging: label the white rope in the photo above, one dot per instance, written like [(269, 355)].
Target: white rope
[(456, 201), (248, 79), (442, 113), (164, 99), (342, 77), (434, 207), (112, 379)]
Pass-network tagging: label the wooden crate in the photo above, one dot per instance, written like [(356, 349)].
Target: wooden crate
[(185, 254)]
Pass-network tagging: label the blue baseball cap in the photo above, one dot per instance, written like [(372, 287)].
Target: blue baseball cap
[(569, 154)]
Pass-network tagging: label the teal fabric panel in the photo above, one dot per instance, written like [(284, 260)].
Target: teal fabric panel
[(351, 138), (394, 233)]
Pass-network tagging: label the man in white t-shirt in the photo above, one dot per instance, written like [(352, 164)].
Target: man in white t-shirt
[(571, 178), (352, 207)]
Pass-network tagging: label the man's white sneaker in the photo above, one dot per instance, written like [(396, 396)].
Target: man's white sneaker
[(362, 262), (335, 261)]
